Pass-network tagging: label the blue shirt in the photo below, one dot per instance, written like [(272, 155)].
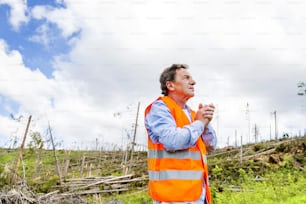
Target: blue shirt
[(162, 128)]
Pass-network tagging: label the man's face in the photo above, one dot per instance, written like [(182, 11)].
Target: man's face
[(183, 84)]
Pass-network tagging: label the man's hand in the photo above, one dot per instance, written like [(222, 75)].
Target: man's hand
[(205, 113)]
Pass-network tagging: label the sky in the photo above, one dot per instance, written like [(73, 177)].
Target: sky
[(83, 67)]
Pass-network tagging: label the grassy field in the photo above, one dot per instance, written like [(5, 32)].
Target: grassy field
[(269, 172), (276, 188)]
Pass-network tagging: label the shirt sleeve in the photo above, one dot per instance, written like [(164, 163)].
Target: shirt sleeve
[(162, 128), (210, 138)]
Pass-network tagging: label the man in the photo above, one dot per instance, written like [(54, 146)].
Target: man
[(178, 139)]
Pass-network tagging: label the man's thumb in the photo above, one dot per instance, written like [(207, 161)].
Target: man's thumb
[(200, 105)]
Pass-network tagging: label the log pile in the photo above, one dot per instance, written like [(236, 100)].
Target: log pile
[(72, 190), (108, 184)]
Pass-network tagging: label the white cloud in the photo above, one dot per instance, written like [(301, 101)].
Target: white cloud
[(238, 52), (42, 35), (18, 12), (71, 113), (65, 19), (20, 83)]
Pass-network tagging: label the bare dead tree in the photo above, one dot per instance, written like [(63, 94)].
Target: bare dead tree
[(134, 138), (54, 153), (15, 172)]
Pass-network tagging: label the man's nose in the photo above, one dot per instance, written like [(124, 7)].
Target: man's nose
[(193, 82)]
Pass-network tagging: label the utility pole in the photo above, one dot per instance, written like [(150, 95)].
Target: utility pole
[(256, 132), (228, 141), (97, 144), (236, 138), (134, 138), (247, 113), (275, 125), (302, 92), (270, 132)]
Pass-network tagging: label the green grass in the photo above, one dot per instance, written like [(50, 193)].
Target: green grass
[(278, 188), (137, 197)]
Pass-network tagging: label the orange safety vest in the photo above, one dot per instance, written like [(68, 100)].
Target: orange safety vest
[(177, 176)]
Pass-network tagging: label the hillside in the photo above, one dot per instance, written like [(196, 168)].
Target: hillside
[(98, 176), (257, 159)]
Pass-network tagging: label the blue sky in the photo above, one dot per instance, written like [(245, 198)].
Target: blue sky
[(76, 63), (37, 55)]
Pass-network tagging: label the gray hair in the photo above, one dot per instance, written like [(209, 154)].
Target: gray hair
[(169, 75)]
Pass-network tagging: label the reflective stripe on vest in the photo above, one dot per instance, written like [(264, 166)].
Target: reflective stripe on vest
[(175, 174), (204, 159), (159, 154)]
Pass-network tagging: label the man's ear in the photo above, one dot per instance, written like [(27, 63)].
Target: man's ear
[(170, 85)]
